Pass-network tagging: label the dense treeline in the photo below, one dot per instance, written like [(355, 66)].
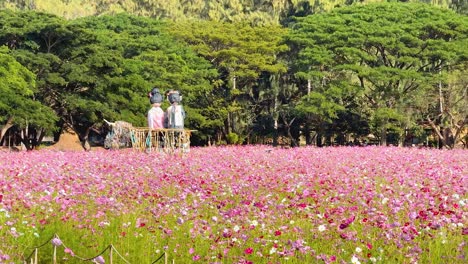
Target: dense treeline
[(396, 70), (257, 12)]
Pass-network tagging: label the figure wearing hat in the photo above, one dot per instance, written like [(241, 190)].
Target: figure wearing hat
[(175, 113), (155, 114)]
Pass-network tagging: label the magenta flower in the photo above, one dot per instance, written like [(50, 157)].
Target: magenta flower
[(465, 231), (347, 222), (248, 251)]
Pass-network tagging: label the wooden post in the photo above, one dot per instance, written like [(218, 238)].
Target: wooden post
[(55, 255), (35, 256), (165, 257), (110, 260)]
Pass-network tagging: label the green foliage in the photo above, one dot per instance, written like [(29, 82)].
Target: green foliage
[(17, 86), (232, 138), (143, 56), (254, 12), (359, 61), (393, 52), (240, 53)]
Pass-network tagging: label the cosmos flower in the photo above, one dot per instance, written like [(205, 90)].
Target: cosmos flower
[(56, 242), (99, 260), (248, 251)]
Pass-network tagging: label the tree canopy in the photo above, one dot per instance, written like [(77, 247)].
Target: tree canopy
[(394, 69), (391, 55)]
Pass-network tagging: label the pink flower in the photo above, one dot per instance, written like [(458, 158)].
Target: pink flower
[(191, 251), (69, 251), (99, 260), (347, 222), (248, 251), (56, 242), (196, 257), (465, 231)]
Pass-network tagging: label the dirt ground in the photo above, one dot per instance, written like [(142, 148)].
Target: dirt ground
[(69, 141)]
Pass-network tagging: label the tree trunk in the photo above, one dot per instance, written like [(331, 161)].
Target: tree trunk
[(319, 139), (5, 128), (444, 135), (275, 122), (383, 136), (84, 139)]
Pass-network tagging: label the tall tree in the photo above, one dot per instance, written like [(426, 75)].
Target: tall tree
[(115, 60), (393, 52), (240, 53), (18, 108)]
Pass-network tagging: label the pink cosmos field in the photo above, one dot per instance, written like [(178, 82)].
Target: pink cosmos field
[(243, 204)]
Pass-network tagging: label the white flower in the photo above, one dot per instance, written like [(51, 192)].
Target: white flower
[(236, 228), (214, 218), (372, 259), (322, 228), (462, 202), (358, 250), (254, 223), (272, 250), (384, 200), (355, 260)]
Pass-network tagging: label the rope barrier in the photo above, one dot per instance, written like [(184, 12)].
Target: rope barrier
[(35, 248), (160, 257), (119, 254), (97, 259), (102, 252)]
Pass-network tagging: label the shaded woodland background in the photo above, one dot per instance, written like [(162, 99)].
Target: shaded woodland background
[(324, 72)]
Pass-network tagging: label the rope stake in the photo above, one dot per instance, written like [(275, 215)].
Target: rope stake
[(57, 242)]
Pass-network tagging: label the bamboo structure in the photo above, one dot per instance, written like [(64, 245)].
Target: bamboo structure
[(164, 140)]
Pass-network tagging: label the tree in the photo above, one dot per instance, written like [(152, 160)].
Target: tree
[(95, 68), (18, 108), (240, 53), (114, 61), (259, 12), (393, 52)]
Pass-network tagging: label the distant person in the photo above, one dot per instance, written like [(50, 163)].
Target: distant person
[(175, 113), (155, 114)]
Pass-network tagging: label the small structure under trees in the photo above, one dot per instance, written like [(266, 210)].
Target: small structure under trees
[(124, 135)]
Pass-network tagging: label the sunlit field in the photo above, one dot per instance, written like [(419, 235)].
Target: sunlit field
[(251, 204)]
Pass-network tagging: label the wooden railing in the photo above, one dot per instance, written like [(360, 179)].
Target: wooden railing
[(163, 140)]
